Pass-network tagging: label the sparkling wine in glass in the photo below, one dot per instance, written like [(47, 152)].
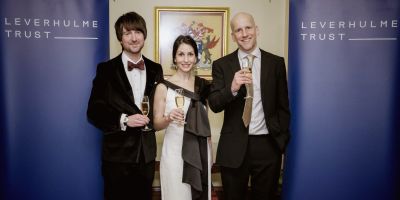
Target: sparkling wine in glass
[(145, 109), (247, 70), (247, 67), (179, 99)]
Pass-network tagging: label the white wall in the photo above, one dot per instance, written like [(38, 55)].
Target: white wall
[(270, 16)]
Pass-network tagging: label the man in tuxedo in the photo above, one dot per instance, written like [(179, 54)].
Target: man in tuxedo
[(255, 130), (128, 152)]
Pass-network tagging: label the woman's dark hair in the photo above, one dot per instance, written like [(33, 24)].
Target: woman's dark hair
[(130, 21), (187, 40)]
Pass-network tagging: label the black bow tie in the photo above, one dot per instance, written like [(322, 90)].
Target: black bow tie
[(139, 65)]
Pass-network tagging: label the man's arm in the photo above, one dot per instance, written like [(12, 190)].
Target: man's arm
[(224, 88), (220, 92)]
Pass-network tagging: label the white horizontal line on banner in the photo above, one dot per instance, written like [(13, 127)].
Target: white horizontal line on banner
[(76, 38), (372, 38)]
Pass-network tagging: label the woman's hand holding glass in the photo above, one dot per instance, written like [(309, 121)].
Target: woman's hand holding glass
[(178, 114)]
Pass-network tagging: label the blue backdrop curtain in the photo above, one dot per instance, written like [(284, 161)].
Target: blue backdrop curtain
[(49, 51), (344, 87)]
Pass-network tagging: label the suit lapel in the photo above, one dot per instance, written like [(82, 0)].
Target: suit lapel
[(264, 71), (234, 62)]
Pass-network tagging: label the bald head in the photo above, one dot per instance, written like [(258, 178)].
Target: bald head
[(244, 31), (240, 17)]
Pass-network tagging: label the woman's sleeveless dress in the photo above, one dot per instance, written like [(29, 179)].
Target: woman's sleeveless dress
[(171, 164)]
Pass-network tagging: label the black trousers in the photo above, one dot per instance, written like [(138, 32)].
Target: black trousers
[(261, 164), (128, 181)]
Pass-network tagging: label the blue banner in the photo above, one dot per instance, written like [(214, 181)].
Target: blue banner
[(49, 52), (344, 87)]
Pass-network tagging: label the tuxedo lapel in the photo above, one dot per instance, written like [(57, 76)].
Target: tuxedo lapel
[(122, 79), (150, 76)]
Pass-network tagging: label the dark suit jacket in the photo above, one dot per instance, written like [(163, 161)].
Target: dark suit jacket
[(274, 95), (110, 97)]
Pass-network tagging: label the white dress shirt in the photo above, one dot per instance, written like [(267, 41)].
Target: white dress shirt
[(137, 80)]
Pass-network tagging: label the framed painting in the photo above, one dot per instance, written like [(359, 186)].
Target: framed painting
[(206, 25)]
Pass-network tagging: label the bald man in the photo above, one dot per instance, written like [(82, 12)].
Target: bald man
[(251, 149)]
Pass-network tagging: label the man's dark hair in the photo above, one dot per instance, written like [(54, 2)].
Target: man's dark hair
[(130, 21)]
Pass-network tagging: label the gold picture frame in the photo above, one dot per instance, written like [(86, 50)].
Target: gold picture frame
[(208, 26)]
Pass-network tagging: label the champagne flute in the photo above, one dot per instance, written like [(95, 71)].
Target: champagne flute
[(145, 109), (246, 66), (247, 70), (180, 100)]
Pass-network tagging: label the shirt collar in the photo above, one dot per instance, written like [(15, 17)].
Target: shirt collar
[(256, 52), (125, 59)]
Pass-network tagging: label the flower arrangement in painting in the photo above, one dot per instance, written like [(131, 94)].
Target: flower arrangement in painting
[(205, 39)]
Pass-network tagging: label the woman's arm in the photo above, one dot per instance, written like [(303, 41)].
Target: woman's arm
[(160, 121)]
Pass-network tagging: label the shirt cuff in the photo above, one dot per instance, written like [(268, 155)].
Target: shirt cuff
[(123, 120)]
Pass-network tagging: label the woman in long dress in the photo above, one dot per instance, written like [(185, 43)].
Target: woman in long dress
[(184, 175)]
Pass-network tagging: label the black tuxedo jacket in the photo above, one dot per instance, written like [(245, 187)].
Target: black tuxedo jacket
[(110, 97), (274, 95)]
